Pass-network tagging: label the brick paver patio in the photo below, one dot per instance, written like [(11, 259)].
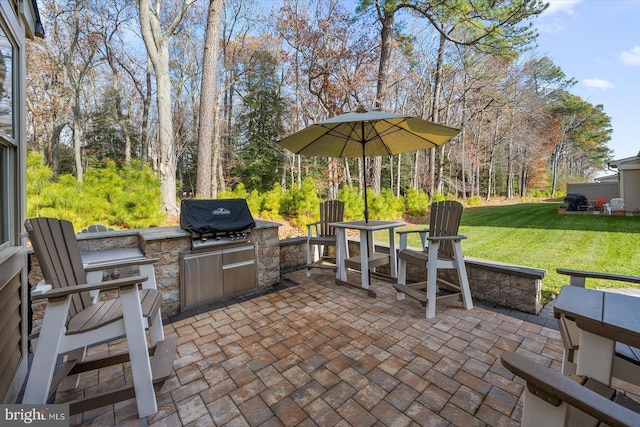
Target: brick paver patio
[(313, 353)]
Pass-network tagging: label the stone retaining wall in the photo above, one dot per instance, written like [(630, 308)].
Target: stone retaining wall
[(508, 285)]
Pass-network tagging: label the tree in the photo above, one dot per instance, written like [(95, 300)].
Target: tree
[(156, 39), (493, 27), (331, 61), (208, 116), (581, 129), (110, 18), (261, 123)]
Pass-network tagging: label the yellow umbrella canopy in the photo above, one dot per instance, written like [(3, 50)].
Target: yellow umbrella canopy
[(368, 133)]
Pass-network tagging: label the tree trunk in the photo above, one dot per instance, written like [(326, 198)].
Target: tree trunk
[(146, 103), (436, 182), (387, 19), (55, 151), (157, 45), (77, 153), (492, 153), (208, 99)]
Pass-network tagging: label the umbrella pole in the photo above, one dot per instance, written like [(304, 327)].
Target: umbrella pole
[(366, 204), (364, 178)]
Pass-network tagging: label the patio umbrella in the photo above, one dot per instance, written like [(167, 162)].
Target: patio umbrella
[(367, 133)]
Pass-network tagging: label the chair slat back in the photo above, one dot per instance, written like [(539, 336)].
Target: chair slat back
[(616, 203), (444, 221), (330, 211), (55, 245)]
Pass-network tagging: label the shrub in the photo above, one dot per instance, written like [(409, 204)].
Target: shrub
[(305, 206), (122, 198), (353, 203), (416, 202), (537, 193), (271, 203), (474, 201), (385, 205)]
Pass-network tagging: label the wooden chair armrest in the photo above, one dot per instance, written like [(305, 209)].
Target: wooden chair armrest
[(400, 232), (310, 228), (109, 284), (598, 275), (404, 234), (120, 264), (555, 388), (442, 238)]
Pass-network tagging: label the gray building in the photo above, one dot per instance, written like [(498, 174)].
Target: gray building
[(19, 21)]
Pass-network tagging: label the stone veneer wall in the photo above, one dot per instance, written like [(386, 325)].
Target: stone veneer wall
[(293, 253), (507, 285), (166, 244)]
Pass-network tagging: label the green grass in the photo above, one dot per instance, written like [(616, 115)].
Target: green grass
[(535, 235)]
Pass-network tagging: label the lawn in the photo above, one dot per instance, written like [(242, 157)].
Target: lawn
[(535, 235)]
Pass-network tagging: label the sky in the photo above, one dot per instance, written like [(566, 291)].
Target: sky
[(597, 42)]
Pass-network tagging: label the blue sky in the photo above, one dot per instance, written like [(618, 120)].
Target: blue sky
[(597, 42)]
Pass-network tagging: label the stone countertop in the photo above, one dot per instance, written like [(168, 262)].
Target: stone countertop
[(175, 232)]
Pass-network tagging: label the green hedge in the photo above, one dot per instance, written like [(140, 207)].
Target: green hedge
[(120, 198), (130, 198)]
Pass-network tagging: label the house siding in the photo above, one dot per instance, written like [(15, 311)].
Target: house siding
[(631, 189), (18, 21), (590, 190)]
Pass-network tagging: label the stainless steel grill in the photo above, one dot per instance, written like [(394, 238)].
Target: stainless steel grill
[(222, 259)]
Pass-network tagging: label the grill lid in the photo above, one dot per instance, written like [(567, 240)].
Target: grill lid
[(215, 215)]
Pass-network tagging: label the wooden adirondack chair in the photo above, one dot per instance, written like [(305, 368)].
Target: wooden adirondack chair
[(442, 249), (321, 234), (72, 322), (554, 400), (626, 361)]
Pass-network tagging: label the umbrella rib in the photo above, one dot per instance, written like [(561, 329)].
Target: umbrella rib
[(396, 128), (330, 131)]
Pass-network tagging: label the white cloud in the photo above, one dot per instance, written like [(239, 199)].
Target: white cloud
[(557, 6), (553, 27), (598, 84), (631, 57), (552, 20)]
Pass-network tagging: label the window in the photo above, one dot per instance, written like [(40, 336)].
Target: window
[(4, 197), (8, 148), (6, 86)]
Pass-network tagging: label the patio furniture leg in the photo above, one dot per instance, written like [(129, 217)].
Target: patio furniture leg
[(311, 257), (402, 268), (393, 258), (341, 255), (44, 360), (538, 412), (432, 279), (138, 352), (462, 276), (402, 278), (595, 357)]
